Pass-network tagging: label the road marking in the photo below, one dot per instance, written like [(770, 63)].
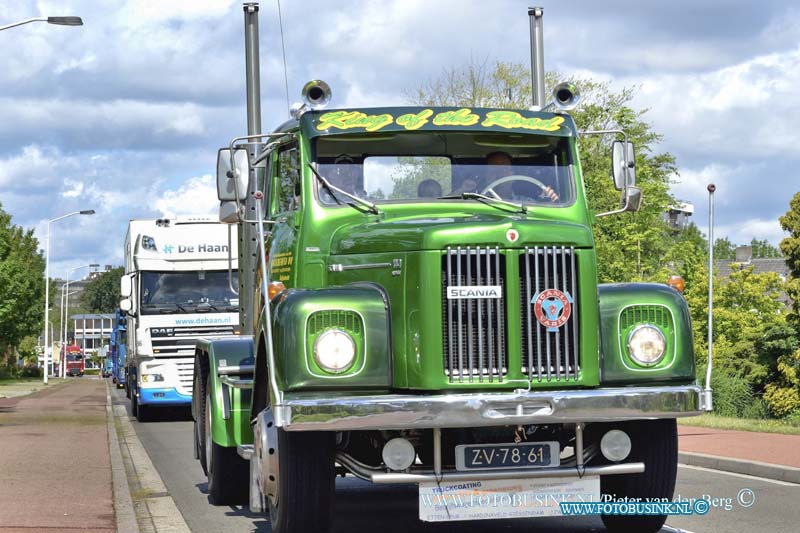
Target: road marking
[(670, 529), (745, 476)]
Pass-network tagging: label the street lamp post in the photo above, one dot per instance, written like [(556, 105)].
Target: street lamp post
[(47, 282), (60, 21), (65, 313)]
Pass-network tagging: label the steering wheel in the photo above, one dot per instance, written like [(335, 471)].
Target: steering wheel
[(514, 177)]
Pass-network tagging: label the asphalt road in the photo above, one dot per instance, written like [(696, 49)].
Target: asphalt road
[(768, 505)]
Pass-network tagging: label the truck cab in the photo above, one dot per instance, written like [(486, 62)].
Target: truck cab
[(73, 356), (178, 287), (426, 311)]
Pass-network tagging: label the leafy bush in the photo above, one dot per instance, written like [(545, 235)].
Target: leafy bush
[(732, 394), (782, 401), (757, 410), (31, 371)]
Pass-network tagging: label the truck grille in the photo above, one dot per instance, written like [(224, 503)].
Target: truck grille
[(176, 344), (474, 327), (180, 340), (549, 275)]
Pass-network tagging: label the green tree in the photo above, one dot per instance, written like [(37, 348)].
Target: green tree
[(790, 246), (630, 246), (762, 249), (724, 249), (686, 256), (101, 295), (21, 285)]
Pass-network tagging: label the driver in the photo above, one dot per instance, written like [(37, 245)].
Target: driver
[(500, 166), (345, 175)]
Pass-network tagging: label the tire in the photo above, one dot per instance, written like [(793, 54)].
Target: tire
[(134, 405), (143, 412), (655, 443), (306, 484), (200, 421), (228, 474)]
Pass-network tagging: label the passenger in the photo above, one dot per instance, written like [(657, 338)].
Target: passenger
[(429, 188)]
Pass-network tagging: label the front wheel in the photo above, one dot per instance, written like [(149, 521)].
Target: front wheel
[(306, 483), (654, 443), (228, 474), (142, 412)]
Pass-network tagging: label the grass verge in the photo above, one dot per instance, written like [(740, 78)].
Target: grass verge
[(785, 427)]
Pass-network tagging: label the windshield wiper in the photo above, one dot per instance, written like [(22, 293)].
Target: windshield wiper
[(488, 200), (333, 189), (164, 311), (205, 306)]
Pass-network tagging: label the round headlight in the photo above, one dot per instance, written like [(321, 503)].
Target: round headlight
[(647, 345), (335, 351)]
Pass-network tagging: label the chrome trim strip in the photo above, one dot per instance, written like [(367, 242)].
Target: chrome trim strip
[(501, 333), (527, 308), (380, 476), (460, 314), (236, 383), (235, 370), (479, 305), (395, 411), (450, 315), (470, 363), (489, 335), (576, 322), (557, 333), (530, 310), (340, 268), (564, 277)]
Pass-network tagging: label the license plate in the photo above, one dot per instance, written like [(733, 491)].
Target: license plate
[(513, 455)]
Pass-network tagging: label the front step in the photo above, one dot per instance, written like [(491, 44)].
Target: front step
[(245, 451)]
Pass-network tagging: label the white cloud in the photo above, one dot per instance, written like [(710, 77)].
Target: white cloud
[(195, 196), (734, 111), (743, 231)]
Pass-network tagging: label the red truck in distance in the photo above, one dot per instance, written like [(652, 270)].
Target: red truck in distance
[(74, 360)]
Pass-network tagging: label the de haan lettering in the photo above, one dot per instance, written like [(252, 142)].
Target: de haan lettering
[(202, 248)]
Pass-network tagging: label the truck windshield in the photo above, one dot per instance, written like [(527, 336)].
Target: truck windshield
[(409, 167), (187, 292)]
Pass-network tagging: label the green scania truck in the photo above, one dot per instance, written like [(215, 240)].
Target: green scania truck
[(419, 294)]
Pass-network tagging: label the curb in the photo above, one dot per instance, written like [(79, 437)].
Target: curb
[(124, 513), (741, 466), (153, 508)]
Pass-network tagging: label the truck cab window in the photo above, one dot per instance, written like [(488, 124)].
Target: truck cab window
[(288, 179)]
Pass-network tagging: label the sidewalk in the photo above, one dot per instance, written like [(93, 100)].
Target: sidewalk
[(769, 455), (55, 470)]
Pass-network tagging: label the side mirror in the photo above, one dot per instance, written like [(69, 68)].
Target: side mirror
[(623, 164), (125, 286), (228, 213), (634, 200), (126, 305), (231, 180)]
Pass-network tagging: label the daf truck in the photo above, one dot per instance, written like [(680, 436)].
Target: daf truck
[(419, 304), (117, 349), (177, 288)]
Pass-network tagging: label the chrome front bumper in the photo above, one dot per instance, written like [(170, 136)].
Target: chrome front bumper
[(393, 411)]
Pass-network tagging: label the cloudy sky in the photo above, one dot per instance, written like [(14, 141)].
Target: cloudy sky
[(124, 115)]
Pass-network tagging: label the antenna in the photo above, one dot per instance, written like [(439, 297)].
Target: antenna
[(283, 51)]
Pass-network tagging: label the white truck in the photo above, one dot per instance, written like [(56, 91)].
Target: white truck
[(179, 286)]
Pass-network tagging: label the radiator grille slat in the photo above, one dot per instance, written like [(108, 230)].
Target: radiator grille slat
[(474, 328), (553, 267)]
